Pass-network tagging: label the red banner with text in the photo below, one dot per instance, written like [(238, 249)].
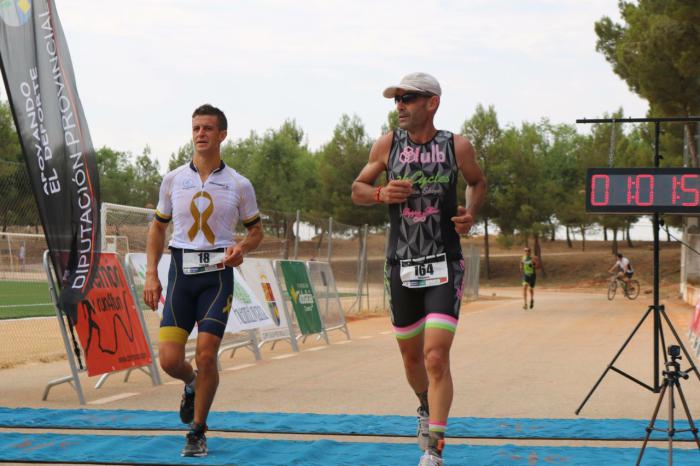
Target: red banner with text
[(109, 327)]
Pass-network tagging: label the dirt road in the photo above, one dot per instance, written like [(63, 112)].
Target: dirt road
[(506, 362)]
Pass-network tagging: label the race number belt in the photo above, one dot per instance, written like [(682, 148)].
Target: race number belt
[(195, 262), (422, 272)]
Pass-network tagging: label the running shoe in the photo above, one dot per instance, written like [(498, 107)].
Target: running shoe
[(196, 444), (428, 459), (423, 432), (532, 303), (187, 405), (525, 306)]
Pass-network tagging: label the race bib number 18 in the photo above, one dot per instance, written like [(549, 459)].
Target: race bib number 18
[(202, 262), (423, 272)]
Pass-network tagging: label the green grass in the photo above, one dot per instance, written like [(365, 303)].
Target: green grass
[(31, 299), (25, 299)]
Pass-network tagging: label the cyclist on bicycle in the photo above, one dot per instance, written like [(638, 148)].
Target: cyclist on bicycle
[(624, 269)]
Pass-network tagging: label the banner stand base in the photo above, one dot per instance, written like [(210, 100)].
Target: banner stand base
[(72, 379), (292, 342), (59, 381), (127, 373), (322, 334), (250, 344), (343, 328)]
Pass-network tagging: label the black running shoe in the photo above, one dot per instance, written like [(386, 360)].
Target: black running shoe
[(532, 303), (187, 406), (196, 444)]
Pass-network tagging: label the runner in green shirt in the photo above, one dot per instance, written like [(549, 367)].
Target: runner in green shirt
[(527, 268)]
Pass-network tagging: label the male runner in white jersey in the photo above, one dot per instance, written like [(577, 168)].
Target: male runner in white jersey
[(424, 266), (205, 199)]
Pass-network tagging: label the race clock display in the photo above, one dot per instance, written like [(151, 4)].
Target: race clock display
[(643, 190)]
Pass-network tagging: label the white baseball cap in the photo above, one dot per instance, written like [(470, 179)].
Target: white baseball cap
[(415, 82)]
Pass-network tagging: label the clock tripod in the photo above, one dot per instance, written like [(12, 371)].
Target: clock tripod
[(626, 205)]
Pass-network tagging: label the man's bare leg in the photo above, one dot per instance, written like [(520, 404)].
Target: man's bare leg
[(440, 388), (207, 375), (417, 377), (172, 360)]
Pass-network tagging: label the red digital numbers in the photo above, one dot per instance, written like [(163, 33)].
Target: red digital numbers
[(693, 191), (595, 188), (643, 190), (639, 190)]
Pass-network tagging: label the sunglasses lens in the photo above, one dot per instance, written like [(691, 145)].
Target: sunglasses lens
[(406, 98)]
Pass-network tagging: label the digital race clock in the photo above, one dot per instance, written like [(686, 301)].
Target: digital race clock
[(643, 190)]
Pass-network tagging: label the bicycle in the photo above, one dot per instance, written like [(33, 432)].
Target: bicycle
[(630, 289)]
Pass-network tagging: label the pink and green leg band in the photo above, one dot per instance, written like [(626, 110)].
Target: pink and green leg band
[(437, 427), (404, 333), (441, 321)]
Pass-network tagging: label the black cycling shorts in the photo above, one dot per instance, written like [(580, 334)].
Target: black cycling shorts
[(203, 298), (530, 280), (415, 309)]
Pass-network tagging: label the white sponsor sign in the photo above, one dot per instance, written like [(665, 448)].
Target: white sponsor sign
[(247, 312), (261, 274)]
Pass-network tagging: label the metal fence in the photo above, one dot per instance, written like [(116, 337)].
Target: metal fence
[(356, 255)]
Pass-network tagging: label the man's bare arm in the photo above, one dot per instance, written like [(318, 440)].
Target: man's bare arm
[(234, 254), (476, 185), (253, 238), (476, 182), (363, 190), (155, 242)]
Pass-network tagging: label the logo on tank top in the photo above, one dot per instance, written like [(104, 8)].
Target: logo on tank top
[(414, 155), (419, 216)]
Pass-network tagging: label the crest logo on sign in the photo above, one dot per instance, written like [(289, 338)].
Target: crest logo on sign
[(15, 12)]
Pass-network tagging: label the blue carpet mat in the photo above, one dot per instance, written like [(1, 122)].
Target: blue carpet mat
[(113, 449), (341, 424)]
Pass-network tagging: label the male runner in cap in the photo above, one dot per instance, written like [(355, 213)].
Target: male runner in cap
[(424, 267)]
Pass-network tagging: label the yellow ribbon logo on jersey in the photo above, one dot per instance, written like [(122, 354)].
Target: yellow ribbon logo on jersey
[(201, 218)]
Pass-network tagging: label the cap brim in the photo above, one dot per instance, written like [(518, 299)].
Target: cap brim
[(390, 92)]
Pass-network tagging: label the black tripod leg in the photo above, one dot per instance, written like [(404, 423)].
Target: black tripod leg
[(622, 348), (652, 421), (680, 343), (693, 429), (671, 425)]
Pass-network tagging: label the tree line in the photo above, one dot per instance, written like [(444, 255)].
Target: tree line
[(535, 170)]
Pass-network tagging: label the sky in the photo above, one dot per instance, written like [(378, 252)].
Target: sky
[(143, 66)]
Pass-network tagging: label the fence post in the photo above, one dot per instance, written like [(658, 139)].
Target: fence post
[(330, 238), (362, 266), (386, 247), (103, 225), (9, 250), (367, 268), (296, 235)]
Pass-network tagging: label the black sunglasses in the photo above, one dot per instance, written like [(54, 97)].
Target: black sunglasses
[(408, 98)]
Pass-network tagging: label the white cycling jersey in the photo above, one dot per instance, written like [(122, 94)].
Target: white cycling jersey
[(205, 214), (623, 264)]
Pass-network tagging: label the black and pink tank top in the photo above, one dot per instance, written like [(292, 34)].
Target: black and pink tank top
[(422, 226)]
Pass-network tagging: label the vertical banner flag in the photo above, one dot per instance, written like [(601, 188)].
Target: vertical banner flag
[(296, 280), (58, 151), (108, 324)]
